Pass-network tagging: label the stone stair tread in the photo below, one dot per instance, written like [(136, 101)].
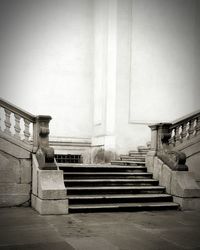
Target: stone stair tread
[(131, 162), (135, 156), (125, 205), (120, 196), (111, 180), (107, 173), (116, 187), (67, 165)]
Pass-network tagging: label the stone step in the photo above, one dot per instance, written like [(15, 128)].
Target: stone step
[(106, 182), (128, 175), (143, 149), (101, 168), (128, 163), (118, 198), (136, 153), (122, 207), (79, 190), (132, 158)]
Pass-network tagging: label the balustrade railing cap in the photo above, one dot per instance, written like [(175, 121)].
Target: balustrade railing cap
[(187, 117), (43, 118), (16, 110), (159, 125)]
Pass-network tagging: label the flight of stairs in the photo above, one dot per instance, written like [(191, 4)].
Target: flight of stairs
[(123, 185)]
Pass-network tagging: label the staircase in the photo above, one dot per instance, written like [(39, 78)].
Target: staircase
[(123, 185)]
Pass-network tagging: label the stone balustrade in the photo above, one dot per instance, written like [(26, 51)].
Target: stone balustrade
[(166, 139), (184, 129), (173, 146), (20, 126), (16, 122)]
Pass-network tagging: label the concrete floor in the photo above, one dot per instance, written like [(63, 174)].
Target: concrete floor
[(23, 228)]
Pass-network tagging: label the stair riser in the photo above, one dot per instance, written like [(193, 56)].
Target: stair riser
[(119, 209), (118, 191), (104, 183), (118, 200)]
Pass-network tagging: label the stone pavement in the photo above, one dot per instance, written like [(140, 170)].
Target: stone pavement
[(24, 229)]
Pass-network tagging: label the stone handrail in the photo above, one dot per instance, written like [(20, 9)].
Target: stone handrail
[(13, 119), (16, 110), (165, 137), (184, 129)]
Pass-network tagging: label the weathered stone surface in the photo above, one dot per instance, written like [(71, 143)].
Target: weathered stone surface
[(12, 194), (49, 206), (51, 184), (35, 169), (14, 188), (188, 203), (9, 169), (25, 168), (165, 178), (14, 150), (157, 168), (11, 200), (150, 162), (183, 184)]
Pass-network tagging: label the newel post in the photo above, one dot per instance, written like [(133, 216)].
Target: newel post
[(159, 132), (44, 153), (153, 149), (163, 136)]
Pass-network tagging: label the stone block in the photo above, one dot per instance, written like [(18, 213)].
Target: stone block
[(14, 150), (183, 184), (188, 203), (14, 188), (35, 169), (51, 184), (14, 200), (9, 169), (157, 168), (12, 194), (25, 168), (165, 178), (49, 206), (149, 160)]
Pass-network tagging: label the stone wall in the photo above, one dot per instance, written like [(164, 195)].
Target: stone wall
[(15, 174)]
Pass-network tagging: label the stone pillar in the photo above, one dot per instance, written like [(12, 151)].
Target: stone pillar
[(163, 135), (154, 138), (44, 153), (154, 146), (48, 189), (41, 131)]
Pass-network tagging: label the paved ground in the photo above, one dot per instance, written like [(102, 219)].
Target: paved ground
[(25, 229)]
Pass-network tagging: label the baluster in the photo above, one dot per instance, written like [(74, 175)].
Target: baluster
[(17, 126), (26, 130), (191, 129), (195, 127), (7, 121), (184, 131), (181, 133), (187, 130), (177, 135), (172, 139)]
